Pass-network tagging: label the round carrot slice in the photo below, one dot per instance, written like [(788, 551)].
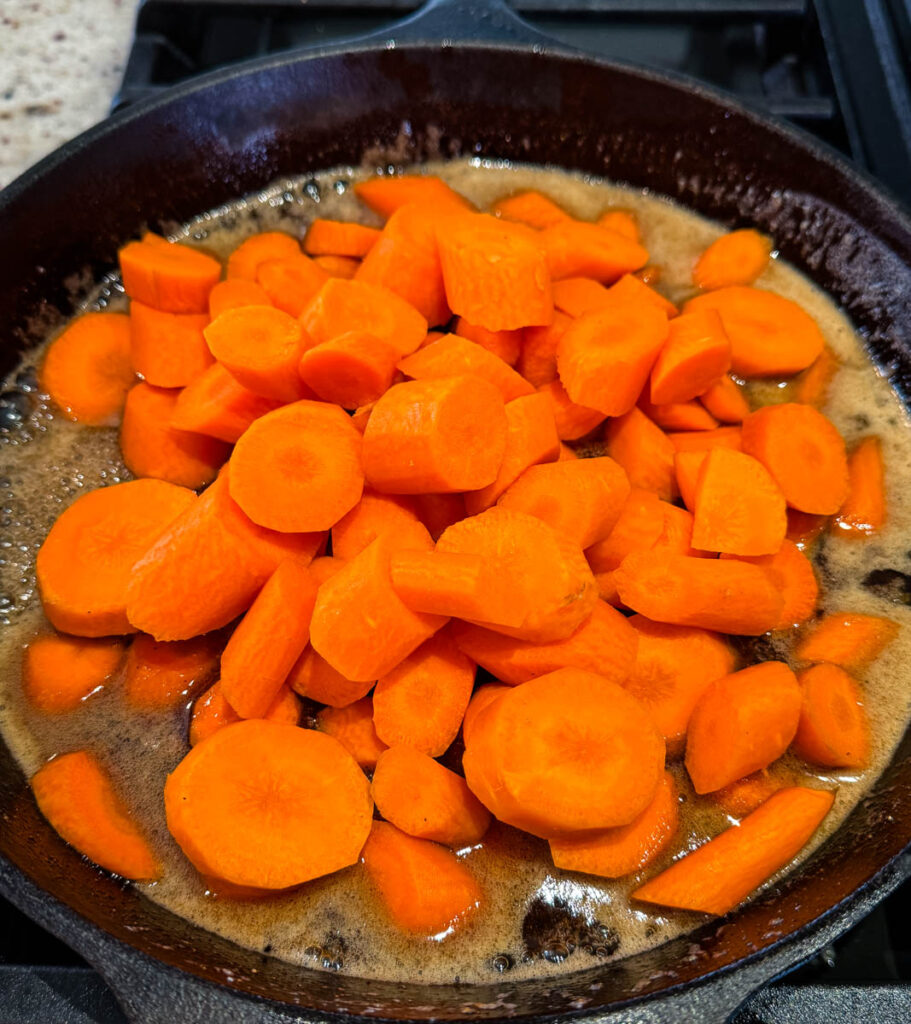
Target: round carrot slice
[(268, 806), (833, 730)]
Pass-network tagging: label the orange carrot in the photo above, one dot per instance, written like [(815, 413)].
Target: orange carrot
[(604, 358), (796, 582), (163, 675), (834, 731), (301, 778), (217, 406), (360, 416), (235, 292), (623, 222), (385, 194), (421, 702), (676, 535), (534, 209), (705, 440), (771, 336), (152, 447), (804, 528), (298, 468), (392, 517), (605, 643), (339, 238), (353, 369), (324, 567), (88, 369), (424, 887), (742, 797), (267, 245), (848, 639), (720, 874), (741, 723), (627, 848), (804, 453), (441, 435), (575, 249), (644, 451), (426, 800), (453, 356), (60, 672), (314, 678), (269, 640), (338, 266), (864, 510), (566, 752), (674, 667), (76, 796), (580, 295), (567, 454), (725, 401), (582, 498), (291, 284), (737, 258), (353, 727), (85, 563), (439, 511), (168, 276), (727, 596), (537, 361), (686, 469), (695, 356), (678, 415), (812, 386), (168, 349), (481, 697), (506, 345), (572, 421), (638, 528), (212, 712), (495, 273)]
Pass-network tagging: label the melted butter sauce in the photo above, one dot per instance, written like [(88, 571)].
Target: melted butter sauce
[(537, 920)]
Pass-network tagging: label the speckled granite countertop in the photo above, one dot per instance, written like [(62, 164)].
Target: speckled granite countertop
[(61, 62)]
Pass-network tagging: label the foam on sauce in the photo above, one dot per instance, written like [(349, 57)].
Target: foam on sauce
[(538, 920)]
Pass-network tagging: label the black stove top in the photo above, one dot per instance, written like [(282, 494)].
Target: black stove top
[(838, 68)]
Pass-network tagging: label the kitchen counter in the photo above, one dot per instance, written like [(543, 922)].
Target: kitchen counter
[(61, 62)]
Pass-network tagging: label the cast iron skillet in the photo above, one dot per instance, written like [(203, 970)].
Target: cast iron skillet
[(513, 95)]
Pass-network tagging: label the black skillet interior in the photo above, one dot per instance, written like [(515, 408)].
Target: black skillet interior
[(61, 225)]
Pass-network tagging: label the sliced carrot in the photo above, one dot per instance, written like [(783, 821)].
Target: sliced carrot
[(421, 702), (506, 345), (339, 238), (360, 416), (579, 295), (152, 447), (550, 578), (804, 453), (735, 258), (353, 727), (739, 508), (85, 563), (572, 421), (582, 498), (720, 874), (705, 440), (644, 451), (796, 582), (604, 358), (314, 678), (454, 356), (482, 696), (531, 438), (338, 266), (495, 273), (360, 625), (168, 349), (623, 222), (424, 799), (439, 511), (627, 848), (633, 289), (743, 796), (847, 639), (605, 643), (352, 370), (392, 517), (834, 731), (217, 406), (60, 672), (676, 535), (678, 415), (385, 194), (726, 596), (674, 667), (534, 209), (298, 469), (864, 510), (741, 723), (771, 336), (77, 797), (267, 245), (537, 361), (575, 249), (163, 675), (441, 435), (638, 528), (566, 752), (812, 386), (168, 276), (725, 401), (424, 887), (211, 712), (88, 368), (292, 283), (695, 356), (268, 641), (301, 779), (235, 292), (324, 567), (804, 528)]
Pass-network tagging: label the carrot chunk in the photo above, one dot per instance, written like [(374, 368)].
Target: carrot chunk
[(60, 672), (85, 564), (306, 807), (453, 356), (690, 415), (864, 510), (481, 697), (338, 266), (804, 453), (695, 356), (421, 702), (537, 360), (687, 466), (76, 796), (638, 528), (623, 222), (168, 276), (705, 440), (298, 469), (505, 345), (566, 752), (385, 194), (235, 292), (441, 435), (424, 887), (741, 723), (572, 421), (742, 797), (725, 401), (834, 731), (168, 349), (162, 675), (291, 284), (153, 447), (726, 596), (88, 368), (495, 273), (576, 249), (804, 528), (848, 639), (211, 712), (720, 874), (644, 451), (314, 678), (771, 336), (620, 851), (736, 258), (390, 516), (796, 581), (439, 511), (217, 406), (267, 245), (353, 727), (353, 369), (427, 801), (534, 209), (812, 386), (338, 238)]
